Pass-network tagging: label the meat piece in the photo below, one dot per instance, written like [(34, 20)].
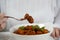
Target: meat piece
[(30, 32), (45, 31), (28, 28), (25, 31), (19, 31), (26, 16), (30, 19), (39, 32)]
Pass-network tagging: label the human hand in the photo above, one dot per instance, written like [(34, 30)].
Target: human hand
[(2, 22), (56, 33)]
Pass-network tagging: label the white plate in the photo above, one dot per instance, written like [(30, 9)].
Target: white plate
[(48, 26)]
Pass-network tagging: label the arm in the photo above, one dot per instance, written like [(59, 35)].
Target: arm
[(56, 31)]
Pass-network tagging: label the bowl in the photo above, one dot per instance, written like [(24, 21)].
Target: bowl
[(48, 26)]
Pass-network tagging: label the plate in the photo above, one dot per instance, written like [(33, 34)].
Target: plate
[(48, 26)]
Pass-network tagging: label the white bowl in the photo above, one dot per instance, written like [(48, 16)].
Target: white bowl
[(48, 26)]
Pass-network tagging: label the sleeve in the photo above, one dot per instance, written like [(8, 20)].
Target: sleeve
[(55, 7), (57, 20), (57, 14)]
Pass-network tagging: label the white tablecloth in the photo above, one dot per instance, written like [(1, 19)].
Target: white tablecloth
[(8, 36)]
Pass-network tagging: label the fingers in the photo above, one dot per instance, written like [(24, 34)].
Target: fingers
[(0, 27), (53, 33), (56, 33), (3, 25)]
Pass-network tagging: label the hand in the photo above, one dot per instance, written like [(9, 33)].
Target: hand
[(2, 22), (56, 33)]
